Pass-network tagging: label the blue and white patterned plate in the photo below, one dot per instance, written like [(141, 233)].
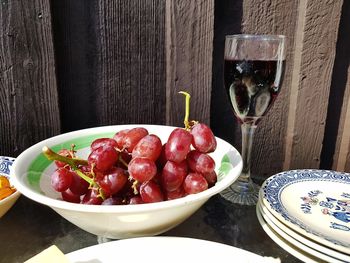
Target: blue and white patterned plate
[(5, 164), (314, 203)]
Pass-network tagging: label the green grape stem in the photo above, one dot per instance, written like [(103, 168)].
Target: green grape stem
[(187, 111), (52, 156)]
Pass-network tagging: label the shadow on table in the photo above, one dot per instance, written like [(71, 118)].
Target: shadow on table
[(238, 226)]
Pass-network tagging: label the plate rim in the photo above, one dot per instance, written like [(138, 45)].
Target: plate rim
[(196, 241), (290, 248), (293, 239)]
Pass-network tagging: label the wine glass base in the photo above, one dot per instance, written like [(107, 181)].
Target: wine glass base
[(242, 192), (102, 239)]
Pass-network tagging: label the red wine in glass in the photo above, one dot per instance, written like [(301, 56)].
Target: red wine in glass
[(252, 86)]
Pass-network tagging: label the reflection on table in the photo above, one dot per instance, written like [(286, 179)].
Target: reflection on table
[(28, 228)]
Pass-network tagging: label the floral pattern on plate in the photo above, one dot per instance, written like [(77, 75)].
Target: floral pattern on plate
[(337, 208)]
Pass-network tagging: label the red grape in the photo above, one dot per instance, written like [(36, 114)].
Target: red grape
[(195, 183), (149, 146), (113, 201), (173, 175), (200, 162), (104, 157), (203, 138), (136, 200), (70, 197), (119, 137), (78, 186), (113, 181), (142, 169), (150, 192), (103, 142), (132, 137), (92, 197), (61, 179), (178, 145), (211, 178), (178, 193)]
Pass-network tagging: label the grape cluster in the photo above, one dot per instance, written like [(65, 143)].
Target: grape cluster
[(134, 167)]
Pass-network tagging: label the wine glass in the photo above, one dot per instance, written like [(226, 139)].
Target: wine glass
[(253, 73)]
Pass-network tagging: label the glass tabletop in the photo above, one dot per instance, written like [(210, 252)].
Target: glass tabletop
[(28, 228)]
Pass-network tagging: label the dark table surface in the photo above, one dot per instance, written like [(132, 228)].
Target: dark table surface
[(28, 228)]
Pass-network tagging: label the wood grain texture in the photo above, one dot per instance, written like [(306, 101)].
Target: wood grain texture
[(130, 69), (28, 93), (272, 17), (317, 60), (189, 51)]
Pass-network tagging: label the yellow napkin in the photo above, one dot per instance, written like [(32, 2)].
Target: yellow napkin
[(51, 254)]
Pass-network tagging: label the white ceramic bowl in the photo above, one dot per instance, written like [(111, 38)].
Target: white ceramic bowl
[(5, 168), (32, 171)]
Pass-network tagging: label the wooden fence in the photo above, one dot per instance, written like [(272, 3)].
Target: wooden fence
[(67, 65)]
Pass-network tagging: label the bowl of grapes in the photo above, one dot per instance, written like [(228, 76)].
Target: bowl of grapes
[(127, 181)]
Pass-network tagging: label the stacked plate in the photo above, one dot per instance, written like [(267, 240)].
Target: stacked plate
[(307, 213)]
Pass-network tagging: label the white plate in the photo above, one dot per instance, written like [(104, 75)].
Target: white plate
[(308, 242), (163, 249), (290, 248), (315, 203), (291, 239)]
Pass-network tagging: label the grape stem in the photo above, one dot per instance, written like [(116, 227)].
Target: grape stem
[(187, 111), (52, 156), (134, 187)]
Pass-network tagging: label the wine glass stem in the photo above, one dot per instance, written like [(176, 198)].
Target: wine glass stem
[(247, 142)]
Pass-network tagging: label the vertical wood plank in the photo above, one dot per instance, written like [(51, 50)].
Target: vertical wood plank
[(110, 62), (74, 26), (295, 75), (337, 136), (342, 153), (272, 17), (189, 50), (341, 158), (28, 92), (317, 60), (130, 67)]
